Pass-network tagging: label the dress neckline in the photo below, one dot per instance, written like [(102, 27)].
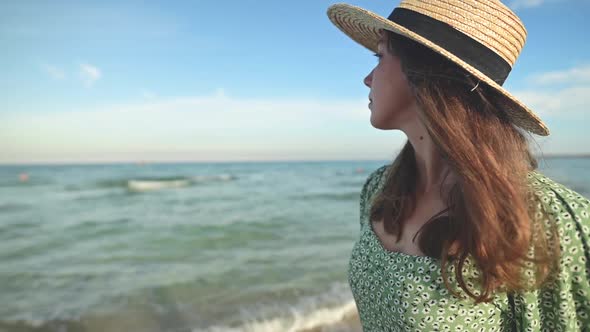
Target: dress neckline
[(392, 253), (376, 238)]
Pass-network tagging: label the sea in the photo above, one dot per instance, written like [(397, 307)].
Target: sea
[(199, 247)]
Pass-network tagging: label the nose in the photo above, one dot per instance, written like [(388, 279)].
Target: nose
[(368, 79)]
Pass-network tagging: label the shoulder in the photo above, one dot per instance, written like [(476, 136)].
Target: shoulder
[(556, 205), (374, 179), (555, 198), (565, 210), (371, 186)]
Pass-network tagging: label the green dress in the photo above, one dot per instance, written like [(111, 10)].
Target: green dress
[(395, 291)]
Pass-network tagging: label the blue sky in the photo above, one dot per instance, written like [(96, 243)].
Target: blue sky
[(236, 80)]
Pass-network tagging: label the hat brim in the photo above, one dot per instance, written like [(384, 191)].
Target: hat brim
[(364, 27)]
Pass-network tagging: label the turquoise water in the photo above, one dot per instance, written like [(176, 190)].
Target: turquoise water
[(187, 247)]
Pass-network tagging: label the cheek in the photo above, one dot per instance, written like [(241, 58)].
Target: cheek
[(398, 84), (395, 95), (393, 107), (405, 96)]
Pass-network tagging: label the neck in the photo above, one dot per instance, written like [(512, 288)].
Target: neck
[(432, 169)]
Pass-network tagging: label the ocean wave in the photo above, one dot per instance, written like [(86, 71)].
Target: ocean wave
[(14, 207), (343, 196), (106, 184), (353, 182), (144, 184), (38, 326), (141, 185), (213, 178), (15, 183), (342, 318), (339, 318), (147, 184), (330, 311)]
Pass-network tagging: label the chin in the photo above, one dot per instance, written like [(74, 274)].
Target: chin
[(376, 125), (380, 124)]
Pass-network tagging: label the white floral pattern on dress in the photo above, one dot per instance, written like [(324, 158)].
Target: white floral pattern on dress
[(395, 291)]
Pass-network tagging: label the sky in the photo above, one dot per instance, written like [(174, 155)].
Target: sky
[(127, 81)]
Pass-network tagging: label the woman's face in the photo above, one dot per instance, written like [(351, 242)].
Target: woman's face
[(391, 102)]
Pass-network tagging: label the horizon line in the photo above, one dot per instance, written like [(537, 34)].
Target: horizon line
[(142, 162)]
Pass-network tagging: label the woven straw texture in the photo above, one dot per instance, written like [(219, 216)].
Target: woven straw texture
[(490, 23)]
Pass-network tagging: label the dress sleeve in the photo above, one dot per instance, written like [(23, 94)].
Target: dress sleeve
[(368, 191), (563, 304)]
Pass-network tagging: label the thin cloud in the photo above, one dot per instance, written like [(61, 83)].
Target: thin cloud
[(573, 100), (527, 4), (220, 93), (89, 74), (212, 126), (146, 94), (54, 71), (520, 4), (236, 110), (559, 92), (576, 75)]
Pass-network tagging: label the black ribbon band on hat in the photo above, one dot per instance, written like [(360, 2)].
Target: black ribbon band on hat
[(459, 44)]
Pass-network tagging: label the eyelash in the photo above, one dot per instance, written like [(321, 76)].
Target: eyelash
[(377, 55)]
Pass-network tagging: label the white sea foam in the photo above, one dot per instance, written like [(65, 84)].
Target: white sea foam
[(328, 319), (142, 185), (149, 185), (308, 315)]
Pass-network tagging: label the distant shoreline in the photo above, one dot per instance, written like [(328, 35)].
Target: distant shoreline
[(279, 161), (563, 156), (201, 162)]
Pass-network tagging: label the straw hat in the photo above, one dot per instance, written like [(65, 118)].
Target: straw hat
[(482, 36)]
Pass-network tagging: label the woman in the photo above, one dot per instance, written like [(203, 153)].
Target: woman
[(460, 233)]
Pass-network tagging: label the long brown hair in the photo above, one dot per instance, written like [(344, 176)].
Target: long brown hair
[(488, 208)]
